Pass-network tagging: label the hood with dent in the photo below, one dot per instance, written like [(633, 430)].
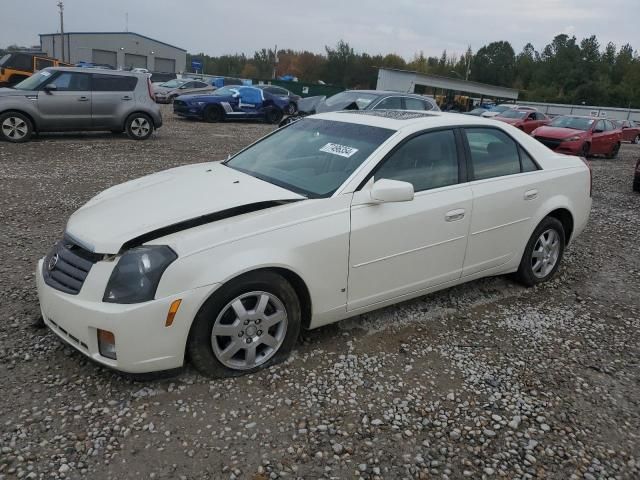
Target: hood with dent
[(135, 208), (558, 132)]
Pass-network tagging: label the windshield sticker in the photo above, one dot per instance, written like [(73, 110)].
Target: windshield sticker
[(45, 74), (338, 149)]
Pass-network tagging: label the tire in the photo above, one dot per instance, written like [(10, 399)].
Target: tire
[(15, 127), (636, 183), (213, 114), (614, 151), (229, 355), (139, 126), (291, 109), (637, 140), (584, 151), (273, 115), (533, 270)]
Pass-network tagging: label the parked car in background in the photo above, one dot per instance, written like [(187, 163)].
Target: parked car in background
[(636, 177), (630, 131), (578, 135), (167, 92), (499, 109), (285, 94), (333, 216), (525, 120), (232, 103), (362, 100), (477, 112), (17, 66), (219, 82), (77, 99)]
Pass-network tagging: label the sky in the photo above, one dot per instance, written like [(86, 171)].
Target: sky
[(405, 27)]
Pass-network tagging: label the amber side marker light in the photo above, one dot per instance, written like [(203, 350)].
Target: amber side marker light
[(107, 344), (173, 309)]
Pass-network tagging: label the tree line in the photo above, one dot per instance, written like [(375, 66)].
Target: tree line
[(564, 71)]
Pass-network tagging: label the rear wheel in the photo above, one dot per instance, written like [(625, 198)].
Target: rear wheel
[(213, 114), (139, 126), (247, 325), (15, 127), (291, 109), (543, 253), (273, 115), (614, 151), (637, 140)]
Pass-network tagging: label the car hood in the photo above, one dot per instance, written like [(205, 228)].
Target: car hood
[(179, 198), (558, 132), (510, 121), (10, 92)]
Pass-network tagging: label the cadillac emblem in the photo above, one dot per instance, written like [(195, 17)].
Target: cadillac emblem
[(52, 262)]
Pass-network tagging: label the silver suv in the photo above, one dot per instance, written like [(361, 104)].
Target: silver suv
[(77, 99)]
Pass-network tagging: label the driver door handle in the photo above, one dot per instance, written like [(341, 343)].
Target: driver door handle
[(454, 215), (126, 97), (83, 99), (531, 194)]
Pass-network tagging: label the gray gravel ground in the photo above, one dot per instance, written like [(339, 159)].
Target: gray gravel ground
[(486, 380)]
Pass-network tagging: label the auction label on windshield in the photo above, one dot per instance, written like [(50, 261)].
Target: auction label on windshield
[(338, 149)]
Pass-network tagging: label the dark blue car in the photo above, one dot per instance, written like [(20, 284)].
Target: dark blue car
[(237, 102)]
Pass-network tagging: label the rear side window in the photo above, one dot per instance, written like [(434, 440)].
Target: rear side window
[(427, 161), (113, 83), (493, 153), (391, 103), (416, 104)]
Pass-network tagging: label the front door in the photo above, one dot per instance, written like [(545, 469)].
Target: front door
[(507, 189), (68, 107), (400, 248)]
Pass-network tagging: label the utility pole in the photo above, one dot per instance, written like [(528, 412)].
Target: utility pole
[(275, 63), (61, 7), (126, 22)]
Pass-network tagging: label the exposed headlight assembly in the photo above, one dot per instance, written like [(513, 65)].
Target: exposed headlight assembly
[(136, 277), (575, 138)]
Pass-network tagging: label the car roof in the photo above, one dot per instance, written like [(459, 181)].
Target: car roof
[(102, 71), (401, 119)]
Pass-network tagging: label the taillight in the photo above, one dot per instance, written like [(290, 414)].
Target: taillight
[(150, 88), (586, 162)]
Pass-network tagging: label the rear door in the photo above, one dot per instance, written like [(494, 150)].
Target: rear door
[(69, 106), (113, 97), (507, 189)]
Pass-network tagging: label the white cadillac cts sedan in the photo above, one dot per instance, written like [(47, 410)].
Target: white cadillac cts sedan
[(332, 216)]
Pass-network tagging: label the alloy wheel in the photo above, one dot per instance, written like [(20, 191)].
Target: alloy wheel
[(140, 126), (249, 330), (545, 253), (14, 128)]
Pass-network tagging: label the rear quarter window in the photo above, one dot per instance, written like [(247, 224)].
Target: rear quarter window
[(113, 83)]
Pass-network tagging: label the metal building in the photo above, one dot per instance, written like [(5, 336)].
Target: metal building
[(117, 49), (416, 82)]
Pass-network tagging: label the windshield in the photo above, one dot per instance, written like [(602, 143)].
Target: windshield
[(34, 81), (575, 123), (311, 157), (500, 108), (175, 83), (341, 100), (225, 92), (514, 114), (5, 59)]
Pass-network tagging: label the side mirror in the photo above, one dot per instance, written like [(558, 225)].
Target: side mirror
[(50, 87), (385, 190), (236, 95)]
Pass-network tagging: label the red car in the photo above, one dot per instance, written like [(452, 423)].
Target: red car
[(584, 136), (630, 131), (524, 119)]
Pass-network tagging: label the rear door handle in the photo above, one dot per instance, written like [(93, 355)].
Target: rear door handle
[(531, 194), (454, 215), (83, 99), (127, 97)]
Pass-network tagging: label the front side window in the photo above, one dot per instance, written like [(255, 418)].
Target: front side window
[(391, 103), (574, 123), (312, 157), (493, 153), (427, 161), (71, 82), (416, 104), (113, 83)]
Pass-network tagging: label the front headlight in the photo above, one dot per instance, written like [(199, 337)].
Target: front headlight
[(136, 277), (575, 138)]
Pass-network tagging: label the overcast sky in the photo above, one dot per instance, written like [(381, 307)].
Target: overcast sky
[(375, 26)]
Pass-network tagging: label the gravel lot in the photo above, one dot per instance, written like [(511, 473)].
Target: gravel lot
[(480, 381)]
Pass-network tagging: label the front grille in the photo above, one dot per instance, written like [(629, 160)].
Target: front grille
[(67, 265), (552, 143)]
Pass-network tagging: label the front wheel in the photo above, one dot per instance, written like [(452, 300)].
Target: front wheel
[(273, 115), (637, 140), (543, 253), (15, 127), (213, 114), (291, 109), (584, 151), (249, 324), (139, 126)]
